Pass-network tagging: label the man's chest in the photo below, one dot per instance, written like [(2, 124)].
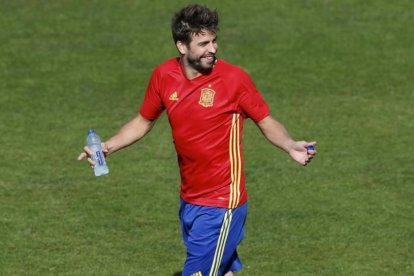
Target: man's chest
[(201, 101)]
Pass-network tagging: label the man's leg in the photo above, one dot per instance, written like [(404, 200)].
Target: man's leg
[(211, 236)]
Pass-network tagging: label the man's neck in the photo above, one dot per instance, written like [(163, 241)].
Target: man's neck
[(191, 73)]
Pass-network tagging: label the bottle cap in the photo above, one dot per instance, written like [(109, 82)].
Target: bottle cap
[(310, 147), (90, 131)]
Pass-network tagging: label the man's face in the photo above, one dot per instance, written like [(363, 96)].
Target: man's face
[(201, 52)]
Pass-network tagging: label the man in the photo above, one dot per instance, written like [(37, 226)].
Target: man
[(206, 100)]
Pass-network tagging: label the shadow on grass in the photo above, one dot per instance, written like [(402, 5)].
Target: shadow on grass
[(179, 273)]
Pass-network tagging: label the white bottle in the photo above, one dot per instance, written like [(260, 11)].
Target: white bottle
[(94, 143)]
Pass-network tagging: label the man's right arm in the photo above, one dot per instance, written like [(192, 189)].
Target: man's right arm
[(130, 133)]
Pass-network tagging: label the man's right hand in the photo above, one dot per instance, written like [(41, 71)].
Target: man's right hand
[(87, 153)]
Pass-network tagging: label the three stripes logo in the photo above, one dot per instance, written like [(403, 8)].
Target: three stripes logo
[(235, 166), (235, 162), (224, 233)]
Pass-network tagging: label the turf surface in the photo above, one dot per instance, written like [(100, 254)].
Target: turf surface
[(339, 72)]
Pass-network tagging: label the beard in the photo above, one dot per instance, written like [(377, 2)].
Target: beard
[(201, 64)]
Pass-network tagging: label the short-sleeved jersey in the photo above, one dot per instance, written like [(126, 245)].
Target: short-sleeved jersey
[(206, 115)]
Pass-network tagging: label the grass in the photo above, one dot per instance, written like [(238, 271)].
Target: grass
[(338, 72)]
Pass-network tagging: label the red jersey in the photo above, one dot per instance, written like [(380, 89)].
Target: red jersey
[(206, 115)]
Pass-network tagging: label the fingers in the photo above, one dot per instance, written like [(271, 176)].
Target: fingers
[(91, 162), (311, 148), (311, 152), (87, 153), (82, 156), (104, 147), (308, 160)]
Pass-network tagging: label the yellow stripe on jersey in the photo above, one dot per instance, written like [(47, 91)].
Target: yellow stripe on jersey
[(221, 243), (235, 162), (235, 170)]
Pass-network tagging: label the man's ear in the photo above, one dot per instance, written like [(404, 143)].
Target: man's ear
[(182, 48)]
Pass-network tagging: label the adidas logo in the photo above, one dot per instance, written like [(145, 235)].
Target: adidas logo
[(174, 96)]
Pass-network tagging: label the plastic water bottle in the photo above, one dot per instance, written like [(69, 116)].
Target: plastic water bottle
[(94, 143)]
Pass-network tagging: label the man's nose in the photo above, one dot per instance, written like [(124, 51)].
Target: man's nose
[(212, 48)]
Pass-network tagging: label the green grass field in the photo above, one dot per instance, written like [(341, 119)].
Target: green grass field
[(339, 72)]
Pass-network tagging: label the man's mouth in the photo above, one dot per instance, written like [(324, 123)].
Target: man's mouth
[(210, 58)]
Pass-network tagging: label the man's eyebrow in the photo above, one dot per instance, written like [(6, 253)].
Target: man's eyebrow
[(206, 41)]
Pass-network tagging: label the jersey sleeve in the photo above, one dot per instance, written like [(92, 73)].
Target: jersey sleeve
[(152, 106), (251, 101)]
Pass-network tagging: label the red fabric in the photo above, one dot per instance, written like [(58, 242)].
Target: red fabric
[(206, 115)]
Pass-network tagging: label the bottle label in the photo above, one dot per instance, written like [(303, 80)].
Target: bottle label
[(100, 158)]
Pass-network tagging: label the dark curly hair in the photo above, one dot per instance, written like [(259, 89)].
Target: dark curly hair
[(193, 19)]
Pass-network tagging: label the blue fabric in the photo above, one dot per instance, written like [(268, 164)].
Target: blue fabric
[(211, 236)]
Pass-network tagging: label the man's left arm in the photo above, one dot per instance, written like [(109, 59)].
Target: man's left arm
[(277, 134)]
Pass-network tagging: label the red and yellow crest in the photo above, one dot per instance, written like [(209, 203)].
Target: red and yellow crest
[(207, 97)]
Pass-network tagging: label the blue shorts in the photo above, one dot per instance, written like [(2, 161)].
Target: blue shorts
[(211, 236)]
